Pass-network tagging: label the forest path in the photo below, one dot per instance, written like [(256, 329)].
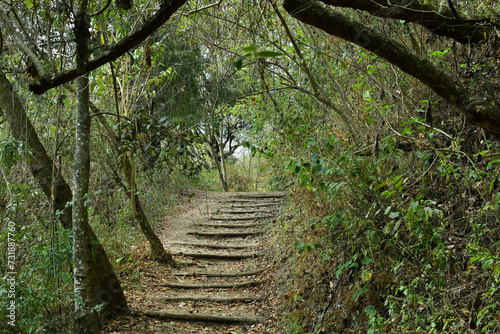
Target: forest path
[(225, 285)]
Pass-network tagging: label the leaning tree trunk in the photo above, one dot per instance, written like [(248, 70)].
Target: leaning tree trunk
[(84, 266), (158, 251), (58, 190), (40, 164)]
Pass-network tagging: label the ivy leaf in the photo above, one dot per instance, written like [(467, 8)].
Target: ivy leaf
[(29, 4)]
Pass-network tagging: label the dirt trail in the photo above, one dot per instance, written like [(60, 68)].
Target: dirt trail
[(224, 285)]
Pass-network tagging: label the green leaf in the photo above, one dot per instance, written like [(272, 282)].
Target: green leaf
[(396, 179), (393, 215), (249, 48), (269, 54), (29, 4), (405, 131), (238, 63), (314, 158), (496, 270), (370, 310)]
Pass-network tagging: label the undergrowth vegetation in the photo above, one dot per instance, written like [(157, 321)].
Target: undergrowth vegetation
[(404, 239), (44, 288)]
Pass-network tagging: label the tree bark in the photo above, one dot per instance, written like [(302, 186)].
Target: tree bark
[(40, 165), (477, 108), (210, 136), (158, 251), (84, 266), (39, 162), (223, 170)]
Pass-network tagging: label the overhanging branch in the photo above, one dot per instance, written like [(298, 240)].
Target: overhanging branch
[(477, 108), (462, 30), (167, 8)]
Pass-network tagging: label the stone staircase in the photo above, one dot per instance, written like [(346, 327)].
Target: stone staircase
[(225, 272)]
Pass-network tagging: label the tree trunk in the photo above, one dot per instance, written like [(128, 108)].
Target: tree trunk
[(40, 165), (215, 156), (223, 175), (158, 251), (85, 270), (84, 266), (210, 137)]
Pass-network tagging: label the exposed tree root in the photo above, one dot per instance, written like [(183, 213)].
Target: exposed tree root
[(226, 234), (229, 225), (166, 259), (239, 218), (212, 286), (217, 299), (220, 274), (260, 196), (202, 317), (217, 246), (219, 256)]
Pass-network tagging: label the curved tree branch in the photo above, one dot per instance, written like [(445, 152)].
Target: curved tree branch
[(462, 30), (167, 8), (477, 108)]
